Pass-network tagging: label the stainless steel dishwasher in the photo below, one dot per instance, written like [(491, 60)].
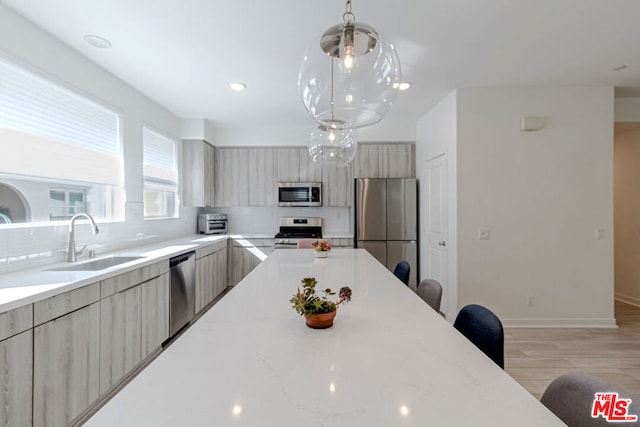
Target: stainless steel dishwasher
[(183, 291)]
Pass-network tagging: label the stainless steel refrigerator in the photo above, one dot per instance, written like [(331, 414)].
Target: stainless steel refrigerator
[(386, 221)]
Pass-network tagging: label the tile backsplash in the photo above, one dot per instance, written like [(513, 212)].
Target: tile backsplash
[(265, 220), (33, 246)]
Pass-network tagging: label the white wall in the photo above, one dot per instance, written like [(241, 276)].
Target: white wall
[(32, 246), (542, 194), (436, 136), (627, 212), (384, 131)]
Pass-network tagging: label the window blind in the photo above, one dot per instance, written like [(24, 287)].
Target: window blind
[(49, 131), (34, 104), (159, 165)]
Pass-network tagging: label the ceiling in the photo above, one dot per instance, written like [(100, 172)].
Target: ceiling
[(184, 53)]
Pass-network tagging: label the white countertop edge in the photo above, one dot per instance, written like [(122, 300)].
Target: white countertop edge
[(20, 288)]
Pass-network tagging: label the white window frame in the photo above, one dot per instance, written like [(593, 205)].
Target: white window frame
[(160, 174)]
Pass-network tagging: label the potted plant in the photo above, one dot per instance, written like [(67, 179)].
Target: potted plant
[(322, 248), (318, 310)]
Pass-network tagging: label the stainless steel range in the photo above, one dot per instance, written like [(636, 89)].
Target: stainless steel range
[(294, 229)]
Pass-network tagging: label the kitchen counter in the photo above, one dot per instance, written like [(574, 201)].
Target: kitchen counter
[(26, 287), (388, 360)]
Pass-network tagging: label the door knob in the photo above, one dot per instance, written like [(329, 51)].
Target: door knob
[(442, 243)]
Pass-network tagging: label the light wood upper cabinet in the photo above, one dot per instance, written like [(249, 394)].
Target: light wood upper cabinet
[(395, 160), (262, 185), (245, 177), (16, 371), (295, 165), (337, 186), (66, 366), (198, 165)]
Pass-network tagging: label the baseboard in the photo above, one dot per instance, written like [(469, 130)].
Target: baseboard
[(628, 300), (559, 323)]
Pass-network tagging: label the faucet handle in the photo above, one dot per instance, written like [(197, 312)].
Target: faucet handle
[(79, 252)]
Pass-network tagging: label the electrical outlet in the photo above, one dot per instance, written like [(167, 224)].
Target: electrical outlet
[(599, 233), (531, 301)]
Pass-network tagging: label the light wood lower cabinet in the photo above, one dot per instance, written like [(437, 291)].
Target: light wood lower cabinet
[(247, 254), (155, 313), (16, 371), (211, 274), (66, 365), (120, 339)]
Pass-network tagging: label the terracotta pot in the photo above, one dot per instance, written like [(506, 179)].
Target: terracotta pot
[(320, 321), (322, 254)]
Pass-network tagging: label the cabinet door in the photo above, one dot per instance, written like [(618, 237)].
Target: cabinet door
[(263, 180), (16, 364), (198, 165), (221, 271), (204, 282), (232, 177), (295, 165), (120, 342), (337, 186), (155, 313), (385, 161), (66, 366)]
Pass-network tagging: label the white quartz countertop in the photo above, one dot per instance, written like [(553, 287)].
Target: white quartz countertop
[(389, 360), (25, 287)]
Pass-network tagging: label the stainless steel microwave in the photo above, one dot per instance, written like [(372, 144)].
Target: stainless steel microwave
[(299, 194)]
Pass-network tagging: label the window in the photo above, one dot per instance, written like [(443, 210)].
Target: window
[(60, 151), (160, 173), (64, 204)]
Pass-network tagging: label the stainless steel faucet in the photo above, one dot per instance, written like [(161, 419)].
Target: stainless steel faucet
[(72, 253)]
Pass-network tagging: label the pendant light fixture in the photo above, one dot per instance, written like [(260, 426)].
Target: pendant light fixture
[(332, 143), (329, 147), (357, 89)]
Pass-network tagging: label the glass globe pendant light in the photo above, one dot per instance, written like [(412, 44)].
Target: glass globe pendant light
[(356, 89), (332, 147)]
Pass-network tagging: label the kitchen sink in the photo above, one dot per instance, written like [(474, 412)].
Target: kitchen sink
[(99, 264)]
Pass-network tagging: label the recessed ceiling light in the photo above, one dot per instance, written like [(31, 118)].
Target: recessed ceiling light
[(402, 85), (97, 41), (238, 86)]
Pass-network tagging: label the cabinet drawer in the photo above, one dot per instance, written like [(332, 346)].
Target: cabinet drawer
[(209, 249), (15, 321), (59, 305), (124, 281)]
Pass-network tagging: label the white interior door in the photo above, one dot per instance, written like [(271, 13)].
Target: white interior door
[(437, 226)]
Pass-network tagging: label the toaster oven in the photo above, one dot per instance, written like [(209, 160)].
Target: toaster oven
[(212, 224)]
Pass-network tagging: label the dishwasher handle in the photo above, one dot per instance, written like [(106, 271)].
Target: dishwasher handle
[(180, 259)]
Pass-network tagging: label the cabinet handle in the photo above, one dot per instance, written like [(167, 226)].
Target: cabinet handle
[(442, 243)]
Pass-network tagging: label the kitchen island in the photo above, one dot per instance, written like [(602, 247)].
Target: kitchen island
[(388, 360)]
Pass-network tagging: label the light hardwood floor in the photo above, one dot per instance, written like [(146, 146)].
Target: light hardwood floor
[(535, 357)]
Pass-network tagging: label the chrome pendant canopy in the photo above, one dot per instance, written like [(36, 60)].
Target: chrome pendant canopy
[(360, 38)]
